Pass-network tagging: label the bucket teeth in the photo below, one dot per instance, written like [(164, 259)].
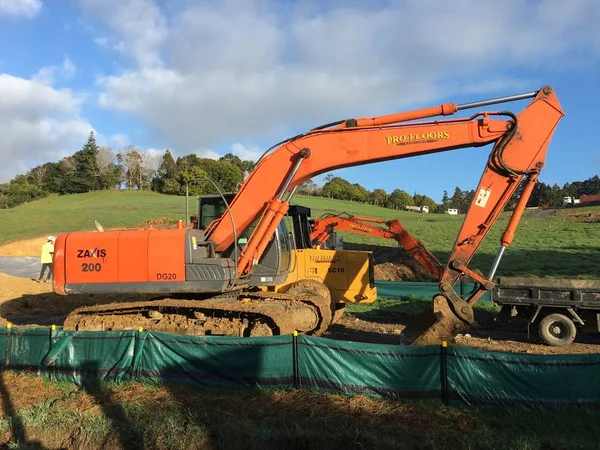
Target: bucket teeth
[(431, 327)]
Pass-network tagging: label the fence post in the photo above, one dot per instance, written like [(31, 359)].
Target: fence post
[(444, 372), (295, 358), (7, 346), (51, 373), (137, 353)]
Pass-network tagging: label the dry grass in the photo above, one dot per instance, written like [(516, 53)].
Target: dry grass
[(61, 415), (25, 390)]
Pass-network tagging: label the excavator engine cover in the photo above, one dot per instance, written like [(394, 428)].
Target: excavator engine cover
[(435, 325)]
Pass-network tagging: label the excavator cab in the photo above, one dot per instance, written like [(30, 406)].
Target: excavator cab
[(290, 257)]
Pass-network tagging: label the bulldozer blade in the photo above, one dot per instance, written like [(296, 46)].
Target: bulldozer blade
[(433, 326)]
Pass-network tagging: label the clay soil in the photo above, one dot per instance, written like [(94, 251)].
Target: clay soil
[(575, 215), (505, 338), (392, 263), (25, 302), (158, 223)]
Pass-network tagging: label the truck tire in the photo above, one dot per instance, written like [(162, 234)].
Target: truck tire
[(557, 330)]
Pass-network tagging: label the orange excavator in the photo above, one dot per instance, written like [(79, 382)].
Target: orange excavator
[(207, 280), (324, 227)]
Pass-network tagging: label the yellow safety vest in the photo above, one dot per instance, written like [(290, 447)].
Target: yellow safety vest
[(47, 250)]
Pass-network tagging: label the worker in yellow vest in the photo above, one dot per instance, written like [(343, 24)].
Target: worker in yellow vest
[(46, 259)]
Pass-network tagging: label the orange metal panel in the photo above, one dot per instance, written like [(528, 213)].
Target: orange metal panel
[(133, 256), (58, 266), (166, 255), (92, 257)]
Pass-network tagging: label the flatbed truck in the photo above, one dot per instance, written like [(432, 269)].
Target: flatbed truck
[(559, 307)]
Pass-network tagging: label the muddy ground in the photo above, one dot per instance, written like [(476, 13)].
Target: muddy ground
[(491, 337), (25, 302)]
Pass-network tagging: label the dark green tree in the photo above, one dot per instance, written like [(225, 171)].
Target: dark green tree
[(398, 199), (248, 166), (228, 176), (378, 197), (166, 180), (235, 160), (338, 188), (83, 173)]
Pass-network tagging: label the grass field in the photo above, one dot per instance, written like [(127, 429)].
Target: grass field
[(558, 246)]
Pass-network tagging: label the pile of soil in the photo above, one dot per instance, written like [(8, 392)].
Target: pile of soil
[(580, 216), (392, 263), (506, 338), (26, 302), (158, 223), (29, 247)]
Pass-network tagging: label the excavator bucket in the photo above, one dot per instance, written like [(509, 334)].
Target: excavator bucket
[(433, 326)]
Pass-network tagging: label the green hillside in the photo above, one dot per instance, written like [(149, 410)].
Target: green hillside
[(554, 246)]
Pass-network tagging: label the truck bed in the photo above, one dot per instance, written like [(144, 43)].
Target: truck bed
[(547, 291)]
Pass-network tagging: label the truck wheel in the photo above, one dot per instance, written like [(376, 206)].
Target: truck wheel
[(557, 330)]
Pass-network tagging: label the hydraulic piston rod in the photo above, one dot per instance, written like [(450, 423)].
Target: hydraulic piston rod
[(495, 101)]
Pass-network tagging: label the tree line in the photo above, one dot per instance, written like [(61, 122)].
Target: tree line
[(94, 168), (341, 189)]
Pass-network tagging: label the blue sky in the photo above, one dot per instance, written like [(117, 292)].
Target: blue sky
[(212, 77)]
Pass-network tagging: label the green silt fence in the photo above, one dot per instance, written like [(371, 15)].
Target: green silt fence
[(451, 374), (515, 379), (418, 289), (391, 371), (217, 361)]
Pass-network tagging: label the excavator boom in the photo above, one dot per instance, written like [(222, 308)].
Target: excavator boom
[(520, 143)]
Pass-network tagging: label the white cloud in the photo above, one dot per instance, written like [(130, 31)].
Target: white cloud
[(101, 42), (238, 71), (20, 8), (251, 153), (226, 74), (37, 123), (119, 141), (49, 74), (139, 25)]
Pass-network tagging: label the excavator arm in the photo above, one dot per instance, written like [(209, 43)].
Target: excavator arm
[(519, 141), (323, 227)]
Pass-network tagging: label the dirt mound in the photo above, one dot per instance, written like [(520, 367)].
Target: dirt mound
[(543, 213), (12, 288), (158, 223), (25, 302), (28, 247), (392, 263), (581, 216)]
